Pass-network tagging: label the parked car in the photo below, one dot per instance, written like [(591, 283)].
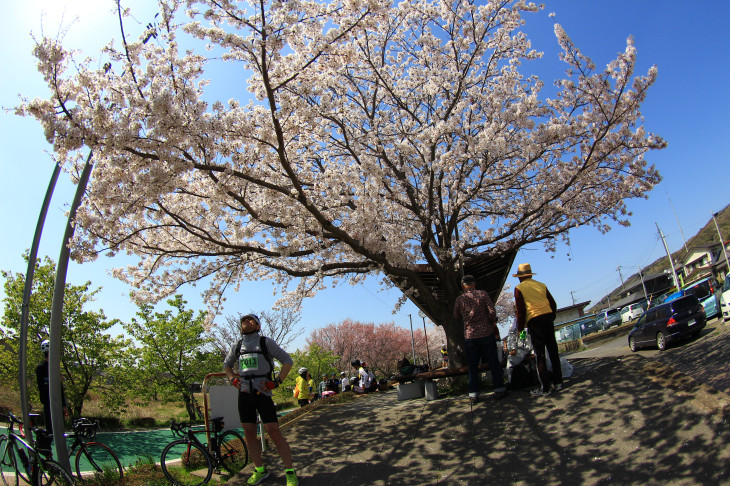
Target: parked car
[(706, 291), (632, 311), (608, 317), (668, 322), (588, 326), (725, 298)]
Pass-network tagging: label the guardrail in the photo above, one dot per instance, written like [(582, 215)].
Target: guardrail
[(596, 337)]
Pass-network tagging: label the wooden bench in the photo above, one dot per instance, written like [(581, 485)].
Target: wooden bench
[(438, 373), (420, 384)]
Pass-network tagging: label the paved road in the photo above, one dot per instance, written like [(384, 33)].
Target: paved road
[(703, 358)]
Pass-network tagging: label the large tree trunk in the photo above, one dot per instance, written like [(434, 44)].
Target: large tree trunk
[(454, 340)]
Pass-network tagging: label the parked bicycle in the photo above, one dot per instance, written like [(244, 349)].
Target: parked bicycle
[(92, 458), (20, 461), (187, 455)]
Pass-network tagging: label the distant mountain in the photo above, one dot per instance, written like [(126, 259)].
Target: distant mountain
[(704, 237)]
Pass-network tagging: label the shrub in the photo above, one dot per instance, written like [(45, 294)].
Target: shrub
[(146, 422), (108, 423)]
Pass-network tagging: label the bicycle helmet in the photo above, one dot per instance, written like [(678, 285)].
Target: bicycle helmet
[(45, 346), (302, 372), (355, 363)]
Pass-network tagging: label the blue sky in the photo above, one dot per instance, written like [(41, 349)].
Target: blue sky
[(688, 106)]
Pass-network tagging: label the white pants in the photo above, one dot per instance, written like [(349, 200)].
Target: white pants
[(515, 360)]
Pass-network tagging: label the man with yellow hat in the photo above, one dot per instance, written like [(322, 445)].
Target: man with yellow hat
[(535, 309)]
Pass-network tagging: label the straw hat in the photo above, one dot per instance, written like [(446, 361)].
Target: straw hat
[(523, 270)]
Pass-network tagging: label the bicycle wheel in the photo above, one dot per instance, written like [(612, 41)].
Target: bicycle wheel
[(98, 460), (234, 453), (8, 470), (14, 463), (51, 473), (186, 463)]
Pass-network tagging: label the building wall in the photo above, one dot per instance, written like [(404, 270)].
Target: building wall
[(568, 315)]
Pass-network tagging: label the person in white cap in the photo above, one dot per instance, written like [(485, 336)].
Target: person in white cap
[(535, 309)]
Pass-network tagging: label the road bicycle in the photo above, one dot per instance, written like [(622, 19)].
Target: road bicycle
[(19, 461), (92, 458), (187, 461)]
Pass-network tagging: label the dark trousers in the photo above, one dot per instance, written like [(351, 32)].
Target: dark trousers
[(542, 333), (47, 417), (485, 347)]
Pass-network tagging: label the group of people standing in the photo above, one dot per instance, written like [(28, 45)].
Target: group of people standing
[(535, 310)]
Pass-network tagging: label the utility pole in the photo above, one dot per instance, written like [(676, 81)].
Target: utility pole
[(680, 226), (620, 276), (641, 276), (572, 296), (669, 255), (722, 242)]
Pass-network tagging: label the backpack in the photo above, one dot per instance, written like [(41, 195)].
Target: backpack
[(264, 351)]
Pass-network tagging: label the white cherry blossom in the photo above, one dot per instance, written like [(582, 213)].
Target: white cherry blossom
[(359, 137)]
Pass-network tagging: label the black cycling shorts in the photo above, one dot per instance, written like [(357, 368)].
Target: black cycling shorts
[(250, 403)]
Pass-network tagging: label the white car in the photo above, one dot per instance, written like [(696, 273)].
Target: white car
[(632, 311), (725, 299)]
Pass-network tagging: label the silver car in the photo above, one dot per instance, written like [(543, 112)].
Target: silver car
[(608, 317)]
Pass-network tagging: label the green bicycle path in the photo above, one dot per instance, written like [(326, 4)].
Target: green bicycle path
[(133, 445)]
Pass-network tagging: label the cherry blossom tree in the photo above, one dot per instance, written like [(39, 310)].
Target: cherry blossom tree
[(381, 346), (346, 139)]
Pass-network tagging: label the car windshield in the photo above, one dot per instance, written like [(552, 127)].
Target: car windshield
[(683, 304)]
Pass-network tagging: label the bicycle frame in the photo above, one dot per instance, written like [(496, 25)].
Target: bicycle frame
[(212, 448), (33, 458)]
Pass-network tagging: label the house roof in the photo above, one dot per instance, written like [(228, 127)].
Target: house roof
[(579, 305), (629, 299)]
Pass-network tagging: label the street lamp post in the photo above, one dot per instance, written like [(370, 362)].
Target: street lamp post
[(413, 344), (425, 335)]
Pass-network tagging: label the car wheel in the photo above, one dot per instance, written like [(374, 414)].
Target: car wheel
[(632, 344), (661, 341)]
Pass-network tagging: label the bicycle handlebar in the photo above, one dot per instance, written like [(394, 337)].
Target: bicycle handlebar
[(85, 428), (178, 428), (10, 418)]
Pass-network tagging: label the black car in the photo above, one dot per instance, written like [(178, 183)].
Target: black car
[(668, 322)]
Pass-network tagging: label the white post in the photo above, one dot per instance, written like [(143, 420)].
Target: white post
[(261, 433)]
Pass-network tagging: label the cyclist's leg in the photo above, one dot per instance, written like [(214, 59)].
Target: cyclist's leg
[(282, 446), (267, 412), (252, 442)]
